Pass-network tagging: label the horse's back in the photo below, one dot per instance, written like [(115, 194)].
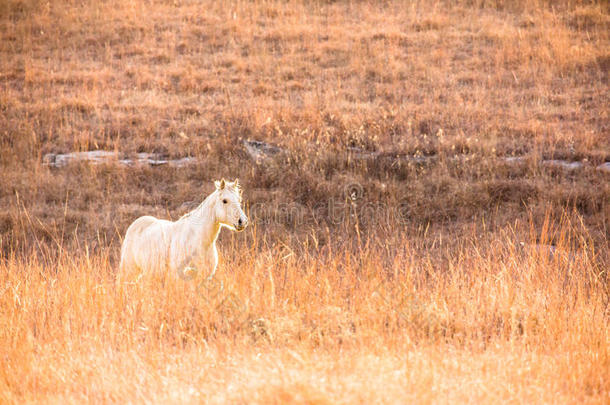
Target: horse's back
[(139, 225), (144, 236)]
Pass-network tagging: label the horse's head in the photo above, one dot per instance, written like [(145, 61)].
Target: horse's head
[(228, 205)]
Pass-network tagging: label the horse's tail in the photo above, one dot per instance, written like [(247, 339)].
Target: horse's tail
[(132, 239), (126, 248), (122, 263)]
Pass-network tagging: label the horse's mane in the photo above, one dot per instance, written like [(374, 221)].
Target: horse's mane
[(235, 187)]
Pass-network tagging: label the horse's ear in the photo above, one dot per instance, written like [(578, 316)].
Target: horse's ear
[(236, 182), (220, 184)]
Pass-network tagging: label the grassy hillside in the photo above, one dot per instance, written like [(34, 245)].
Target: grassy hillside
[(396, 252)]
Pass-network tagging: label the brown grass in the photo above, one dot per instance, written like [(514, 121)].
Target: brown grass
[(418, 291)]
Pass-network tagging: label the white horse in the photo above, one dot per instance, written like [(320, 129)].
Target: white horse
[(188, 245)]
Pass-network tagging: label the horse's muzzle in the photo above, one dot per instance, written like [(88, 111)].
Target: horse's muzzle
[(241, 225)]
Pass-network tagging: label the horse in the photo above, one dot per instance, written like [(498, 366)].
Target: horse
[(186, 246)]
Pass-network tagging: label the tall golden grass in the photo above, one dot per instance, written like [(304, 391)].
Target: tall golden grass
[(484, 320), (419, 291)]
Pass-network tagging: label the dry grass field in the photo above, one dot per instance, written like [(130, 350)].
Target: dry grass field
[(395, 254)]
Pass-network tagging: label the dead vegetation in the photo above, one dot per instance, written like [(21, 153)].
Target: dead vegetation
[(386, 223)]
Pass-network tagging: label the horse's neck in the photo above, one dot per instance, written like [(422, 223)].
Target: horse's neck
[(203, 220)]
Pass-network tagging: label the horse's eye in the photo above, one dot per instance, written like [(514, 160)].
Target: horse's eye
[(224, 201)]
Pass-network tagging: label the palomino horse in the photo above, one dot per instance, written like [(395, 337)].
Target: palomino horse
[(188, 245)]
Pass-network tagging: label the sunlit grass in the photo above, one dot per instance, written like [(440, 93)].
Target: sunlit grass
[(419, 290), (489, 321)]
